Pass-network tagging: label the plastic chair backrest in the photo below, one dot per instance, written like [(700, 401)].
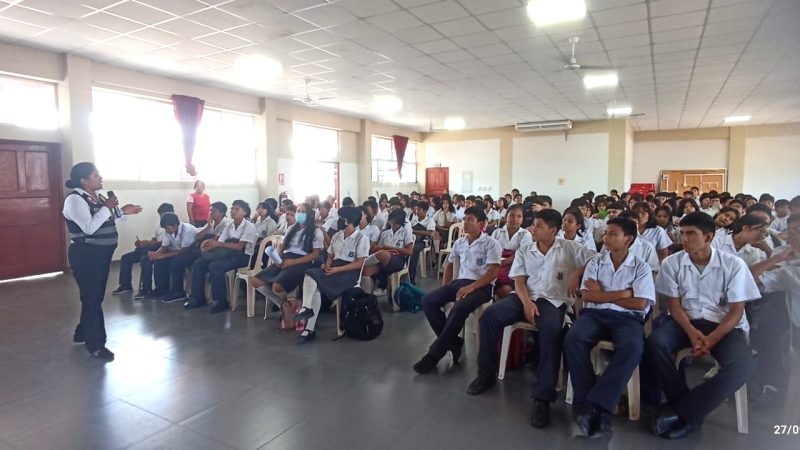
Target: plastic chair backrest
[(455, 229), (277, 243)]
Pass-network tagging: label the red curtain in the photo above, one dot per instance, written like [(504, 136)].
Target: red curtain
[(400, 143), (188, 112)]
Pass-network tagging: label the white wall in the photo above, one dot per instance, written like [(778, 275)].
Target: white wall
[(481, 157), (651, 157), (771, 165), (581, 160)]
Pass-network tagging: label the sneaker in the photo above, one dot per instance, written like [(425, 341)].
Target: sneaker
[(378, 292), (142, 295), (174, 297), (425, 365), (157, 294), (122, 290), (306, 336), (196, 303), (304, 314), (102, 354), (540, 416), (219, 306), (480, 384)]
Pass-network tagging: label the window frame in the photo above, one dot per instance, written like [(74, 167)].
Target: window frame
[(375, 161)]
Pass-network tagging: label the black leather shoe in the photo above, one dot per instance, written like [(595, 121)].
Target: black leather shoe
[(456, 351), (304, 314), (584, 416), (102, 354), (664, 421), (122, 290), (540, 417), (480, 384), (173, 297), (601, 428), (192, 304), (142, 295), (219, 306), (681, 430), (425, 365), (306, 336)]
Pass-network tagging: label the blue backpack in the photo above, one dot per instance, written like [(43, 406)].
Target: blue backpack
[(409, 297)]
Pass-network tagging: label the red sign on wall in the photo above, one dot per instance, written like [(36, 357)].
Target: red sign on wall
[(281, 180)]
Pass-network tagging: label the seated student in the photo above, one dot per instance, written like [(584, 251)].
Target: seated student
[(395, 246), (459, 202), (652, 233), (444, 217), (706, 292), (348, 201), (547, 274), (216, 224), (767, 244), (750, 201), (502, 209), (231, 250), (688, 195), (374, 214), (725, 218), (327, 218), (171, 259), (478, 256), (617, 293), (302, 245), (518, 199), (640, 247), (767, 200), (664, 220), (369, 230), (572, 229), (686, 206), (423, 228), (510, 237), (778, 227), (346, 255), (590, 223), (139, 253), (266, 220), (492, 216), (547, 202)]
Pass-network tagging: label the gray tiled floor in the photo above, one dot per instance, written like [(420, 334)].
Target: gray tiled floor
[(187, 379)]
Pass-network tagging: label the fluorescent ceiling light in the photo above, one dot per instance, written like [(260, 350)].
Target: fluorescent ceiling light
[(619, 111), (258, 68), (387, 104), (600, 80), (551, 12), (454, 123), (736, 119)]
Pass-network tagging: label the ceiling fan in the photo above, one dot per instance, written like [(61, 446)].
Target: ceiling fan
[(308, 100), (572, 63)]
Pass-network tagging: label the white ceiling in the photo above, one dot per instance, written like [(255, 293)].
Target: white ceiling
[(683, 63)]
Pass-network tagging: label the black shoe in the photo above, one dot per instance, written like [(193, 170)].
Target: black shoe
[(456, 351), (602, 428), (102, 354), (480, 384), (196, 303), (303, 314), (122, 290), (426, 365), (681, 430), (173, 297), (664, 422), (142, 294), (77, 337), (306, 336), (540, 417), (157, 295), (219, 306), (584, 415)]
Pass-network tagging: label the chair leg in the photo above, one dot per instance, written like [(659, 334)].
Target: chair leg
[(251, 299), (394, 283), (568, 399), (741, 409), (233, 292), (338, 304), (504, 352), (423, 262), (634, 396)]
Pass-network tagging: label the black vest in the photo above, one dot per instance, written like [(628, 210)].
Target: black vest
[(105, 235)]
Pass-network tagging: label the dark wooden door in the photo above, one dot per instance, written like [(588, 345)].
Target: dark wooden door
[(32, 238), (437, 180)]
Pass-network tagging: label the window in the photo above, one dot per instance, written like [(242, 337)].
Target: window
[(384, 162), (138, 139), (312, 143), (28, 103)]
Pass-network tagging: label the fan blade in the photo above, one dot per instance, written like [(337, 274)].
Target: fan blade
[(324, 98), (598, 68)]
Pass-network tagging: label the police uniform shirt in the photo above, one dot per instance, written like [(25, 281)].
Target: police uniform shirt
[(520, 238), (246, 232), (726, 279), (183, 238), (349, 248), (474, 259), (296, 244), (398, 239), (633, 274), (548, 273)]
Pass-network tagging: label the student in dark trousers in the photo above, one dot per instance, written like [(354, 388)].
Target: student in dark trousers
[(547, 274), (706, 291), (91, 222), (478, 257), (141, 248), (423, 228), (617, 293), (172, 258)]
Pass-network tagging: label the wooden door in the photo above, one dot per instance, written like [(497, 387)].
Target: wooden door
[(683, 180), (437, 180), (32, 237)]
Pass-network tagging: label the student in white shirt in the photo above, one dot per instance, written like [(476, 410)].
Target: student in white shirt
[(300, 251), (346, 254), (172, 258), (478, 258), (617, 292), (651, 232), (139, 254), (725, 218), (328, 218), (289, 217), (369, 230), (423, 228), (216, 224), (665, 221), (707, 290), (778, 227), (502, 209), (394, 247), (231, 250), (739, 237), (640, 247), (459, 203), (492, 216), (266, 220), (572, 229), (547, 274), (510, 237), (376, 218), (443, 218)]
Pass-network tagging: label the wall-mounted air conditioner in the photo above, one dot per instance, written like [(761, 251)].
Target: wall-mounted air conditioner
[(548, 125)]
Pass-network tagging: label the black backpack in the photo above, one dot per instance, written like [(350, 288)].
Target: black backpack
[(361, 318)]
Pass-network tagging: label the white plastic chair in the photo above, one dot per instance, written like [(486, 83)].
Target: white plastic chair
[(740, 397), (423, 261), (455, 229), (245, 273), (394, 283)]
